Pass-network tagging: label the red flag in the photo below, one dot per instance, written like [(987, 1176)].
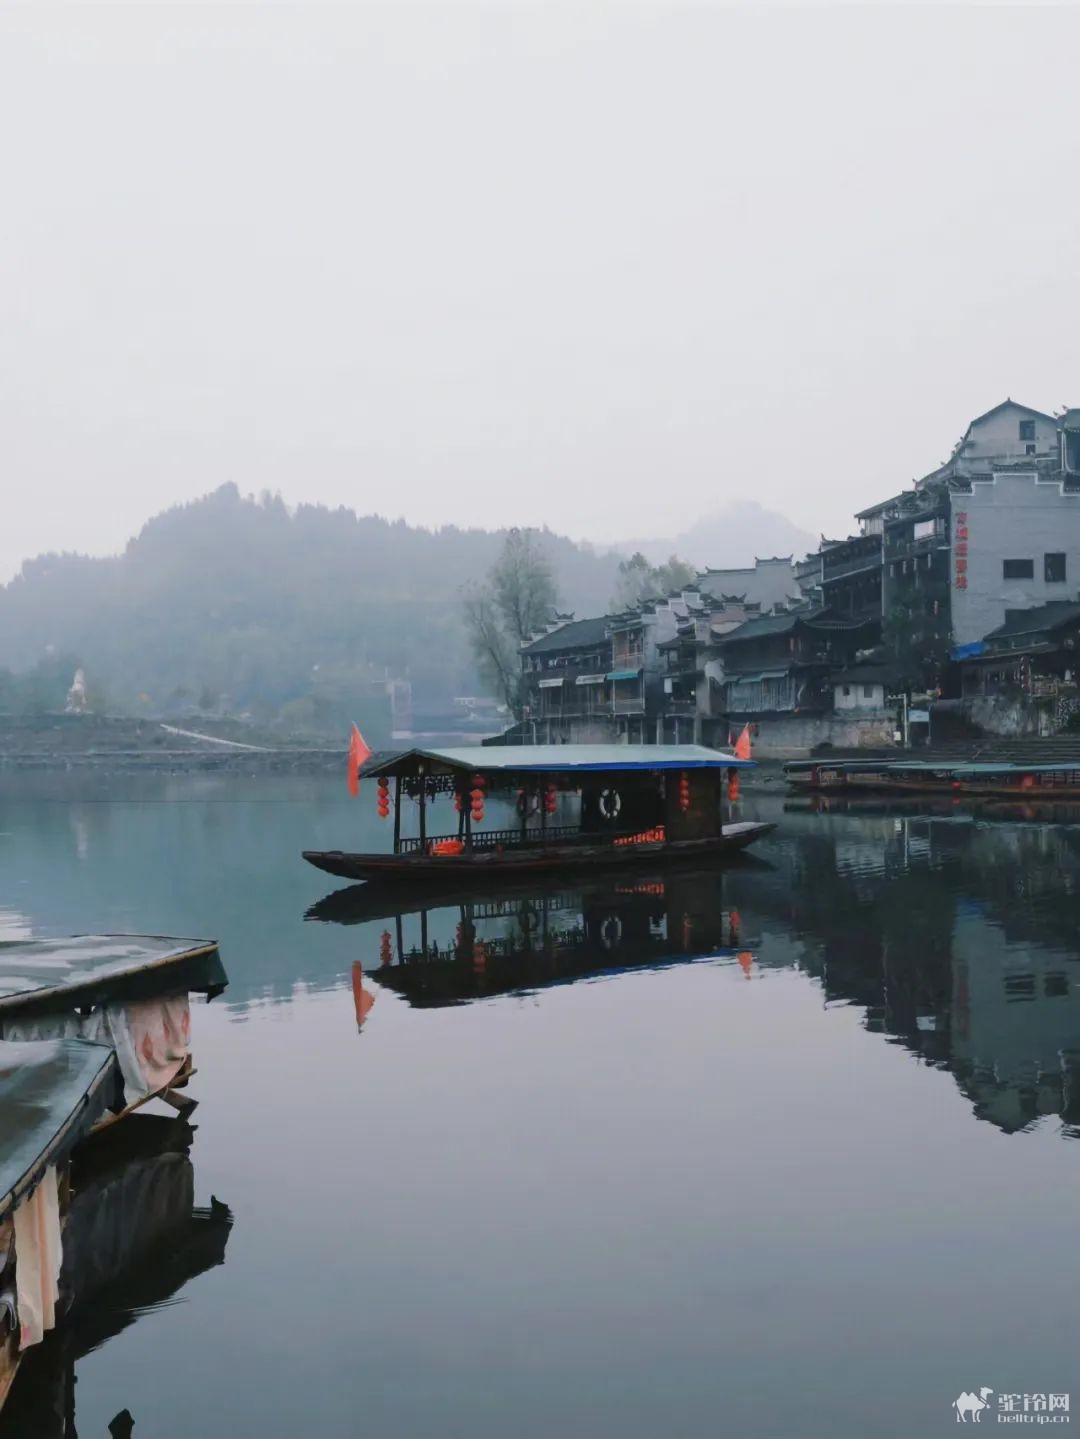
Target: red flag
[(359, 751), (742, 744)]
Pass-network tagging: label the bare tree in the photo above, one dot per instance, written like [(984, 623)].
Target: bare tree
[(496, 657), (517, 600), (523, 585)]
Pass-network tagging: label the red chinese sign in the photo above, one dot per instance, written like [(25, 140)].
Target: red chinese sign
[(960, 551)]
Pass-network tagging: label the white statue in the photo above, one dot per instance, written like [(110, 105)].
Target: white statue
[(76, 695)]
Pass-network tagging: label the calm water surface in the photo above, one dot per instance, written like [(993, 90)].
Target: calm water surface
[(565, 1180)]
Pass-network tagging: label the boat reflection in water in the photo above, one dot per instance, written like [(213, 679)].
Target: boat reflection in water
[(450, 952), (133, 1237), (957, 938)]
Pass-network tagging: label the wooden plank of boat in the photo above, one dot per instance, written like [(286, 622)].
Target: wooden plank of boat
[(345, 865), (91, 969)]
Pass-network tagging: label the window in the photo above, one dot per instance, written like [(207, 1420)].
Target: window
[(924, 529), (1054, 569), (1029, 449), (868, 692), (1018, 569), (1027, 430)]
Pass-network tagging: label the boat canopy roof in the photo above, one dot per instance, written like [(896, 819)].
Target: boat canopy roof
[(91, 968), (561, 759), (51, 1093)]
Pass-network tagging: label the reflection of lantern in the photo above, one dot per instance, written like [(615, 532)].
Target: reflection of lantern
[(386, 953), (684, 791), (382, 798), (479, 958)]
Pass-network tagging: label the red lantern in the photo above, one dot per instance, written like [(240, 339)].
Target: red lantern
[(684, 791), (386, 953), (733, 786), (551, 799), (382, 797)]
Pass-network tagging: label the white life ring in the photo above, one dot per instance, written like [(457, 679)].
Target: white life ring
[(610, 803), (611, 932)]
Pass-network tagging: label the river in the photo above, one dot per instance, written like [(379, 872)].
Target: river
[(783, 1151)]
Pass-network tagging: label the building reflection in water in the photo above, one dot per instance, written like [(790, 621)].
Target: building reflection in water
[(956, 934), (133, 1237), (957, 938)]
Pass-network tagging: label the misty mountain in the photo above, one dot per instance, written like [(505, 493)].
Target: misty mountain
[(729, 537), (243, 604)]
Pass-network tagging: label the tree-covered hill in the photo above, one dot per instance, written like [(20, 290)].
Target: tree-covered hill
[(242, 604)]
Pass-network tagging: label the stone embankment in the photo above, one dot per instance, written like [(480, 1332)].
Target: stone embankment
[(67, 742)]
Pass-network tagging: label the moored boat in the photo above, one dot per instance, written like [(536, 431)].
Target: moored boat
[(52, 1092), (998, 780), (130, 992), (602, 806)]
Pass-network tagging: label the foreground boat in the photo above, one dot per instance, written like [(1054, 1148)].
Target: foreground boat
[(979, 780), (51, 1095), (87, 969), (602, 806), (130, 992)]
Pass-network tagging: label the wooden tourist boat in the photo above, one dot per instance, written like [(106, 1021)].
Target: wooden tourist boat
[(51, 1094), (999, 780), (130, 992), (604, 806)]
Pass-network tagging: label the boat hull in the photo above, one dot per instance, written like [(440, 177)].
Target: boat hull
[(530, 861)]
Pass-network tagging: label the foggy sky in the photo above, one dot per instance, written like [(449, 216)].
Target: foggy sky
[(601, 267)]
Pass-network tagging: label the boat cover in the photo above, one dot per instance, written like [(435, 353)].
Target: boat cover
[(88, 969), (566, 758), (51, 1093)]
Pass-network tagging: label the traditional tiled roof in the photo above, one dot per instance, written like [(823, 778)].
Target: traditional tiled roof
[(577, 634), (1041, 619), (780, 624)]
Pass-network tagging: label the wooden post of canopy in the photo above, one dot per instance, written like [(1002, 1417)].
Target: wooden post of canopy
[(397, 814), (423, 811), (523, 802)]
